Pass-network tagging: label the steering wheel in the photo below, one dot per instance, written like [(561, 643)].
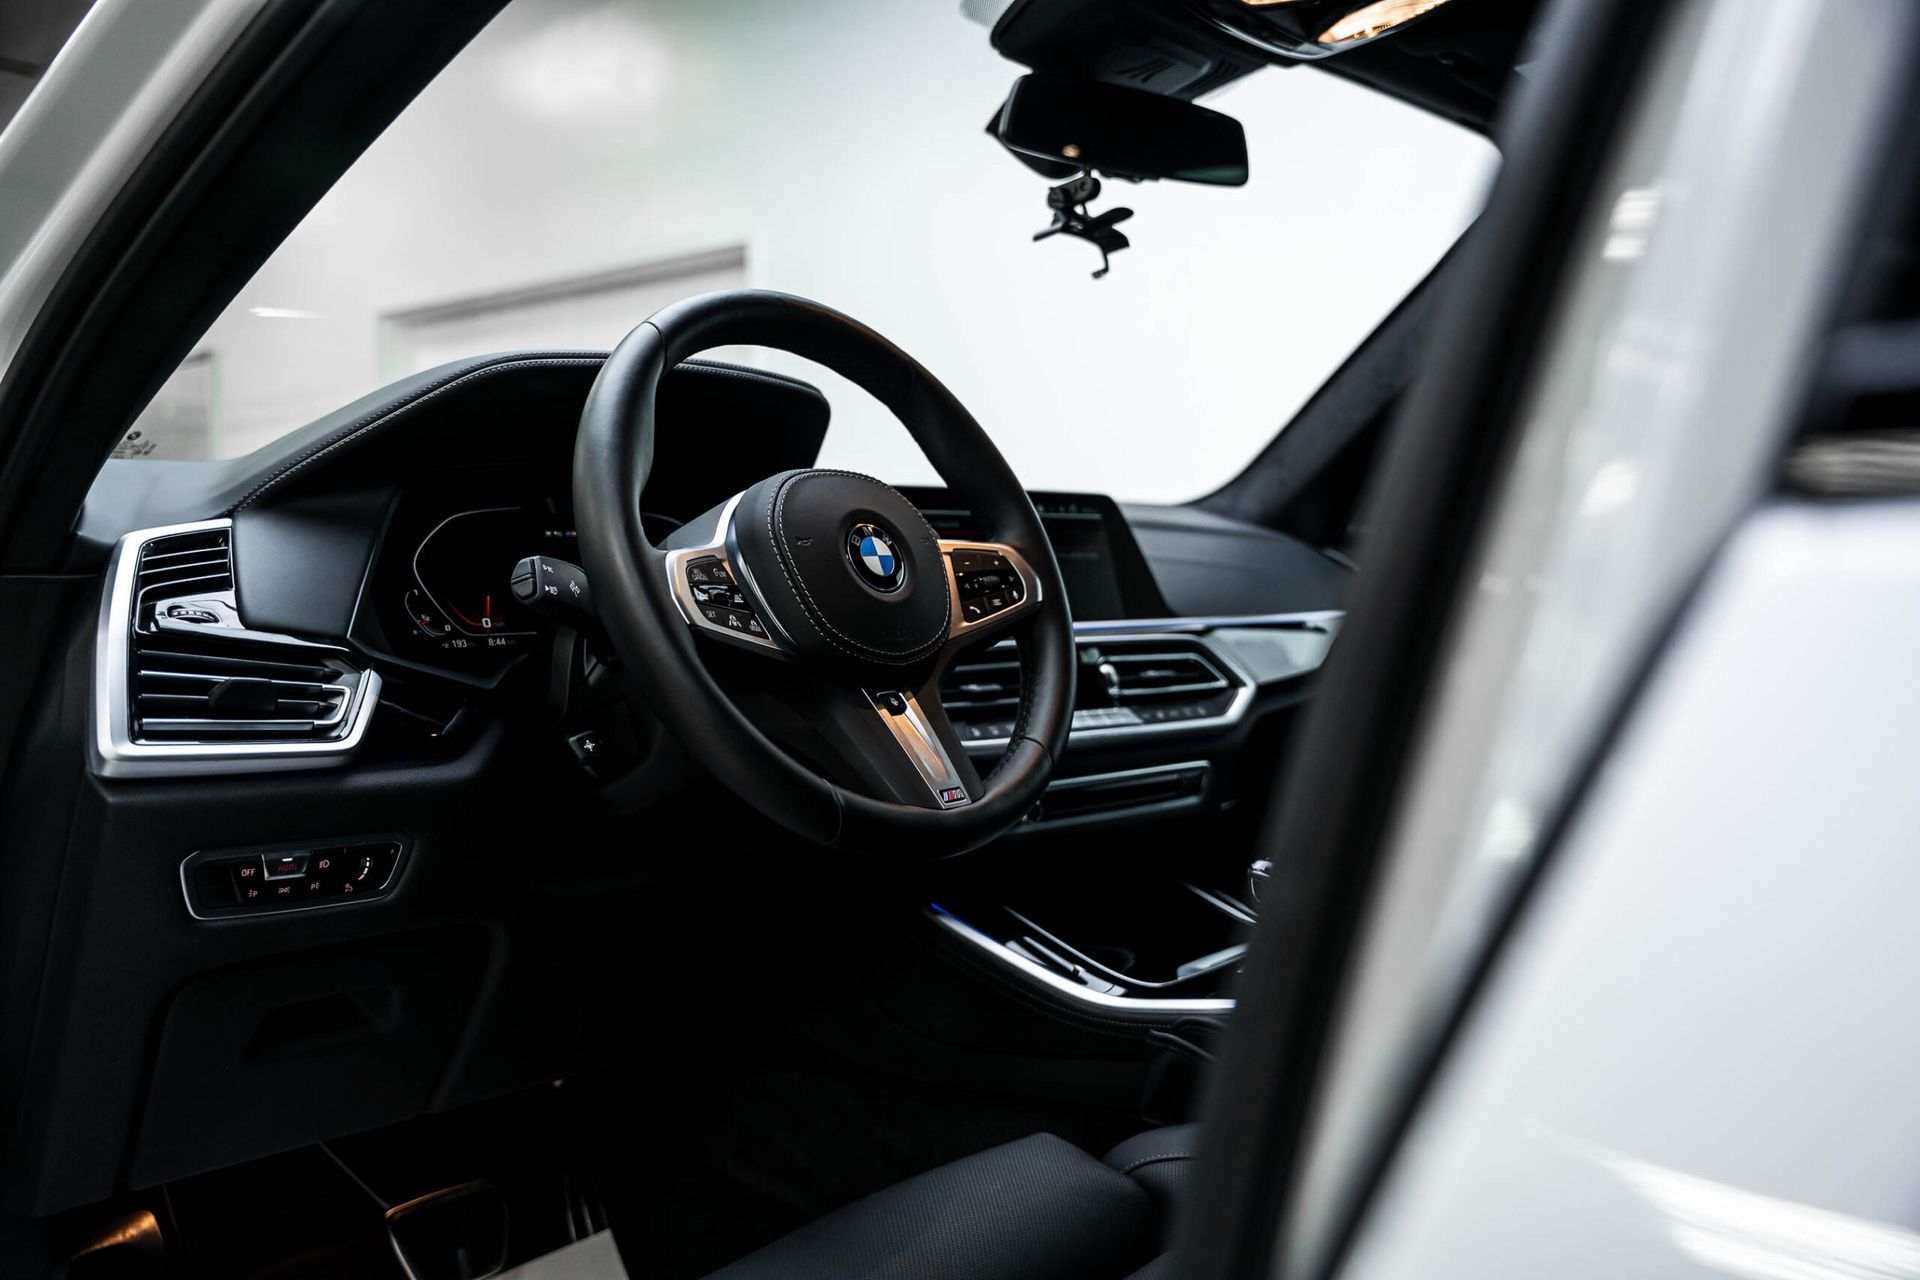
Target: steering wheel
[(825, 598)]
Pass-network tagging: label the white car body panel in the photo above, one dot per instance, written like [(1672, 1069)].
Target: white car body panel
[(1698, 1052)]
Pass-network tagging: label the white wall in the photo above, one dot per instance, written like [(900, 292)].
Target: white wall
[(842, 142)]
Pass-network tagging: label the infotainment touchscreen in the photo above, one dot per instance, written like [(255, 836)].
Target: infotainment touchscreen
[(1097, 557)]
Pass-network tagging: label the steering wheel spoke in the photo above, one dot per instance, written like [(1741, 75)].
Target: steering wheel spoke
[(992, 586), (716, 595), (920, 731), (889, 741)]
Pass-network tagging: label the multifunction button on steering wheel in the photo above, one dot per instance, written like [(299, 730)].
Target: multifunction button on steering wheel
[(839, 583)]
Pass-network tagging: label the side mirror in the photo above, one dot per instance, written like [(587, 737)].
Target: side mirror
[(1124, 133)]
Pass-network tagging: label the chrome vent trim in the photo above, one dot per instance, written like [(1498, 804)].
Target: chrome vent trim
[(186, 564), (1170, 673), (990, 682), (1141, 669), (184, 692), (182, 686)]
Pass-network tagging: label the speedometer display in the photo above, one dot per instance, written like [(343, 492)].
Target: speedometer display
[(461, 571)]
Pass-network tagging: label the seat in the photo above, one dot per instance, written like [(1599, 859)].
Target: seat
[(1035, 1209)]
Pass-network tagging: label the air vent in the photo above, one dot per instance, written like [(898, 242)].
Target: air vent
[(183, 564), (1134, 676), (988, 683), (256, 693), (1123, 684), (186, 686)]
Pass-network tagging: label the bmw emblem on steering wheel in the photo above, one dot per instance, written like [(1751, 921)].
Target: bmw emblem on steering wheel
[(875, 558)]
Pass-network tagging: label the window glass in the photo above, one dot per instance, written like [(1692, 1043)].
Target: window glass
[(585, 161)]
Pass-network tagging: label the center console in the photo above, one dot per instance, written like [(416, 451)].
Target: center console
[(1155, 948), (1129, 897)]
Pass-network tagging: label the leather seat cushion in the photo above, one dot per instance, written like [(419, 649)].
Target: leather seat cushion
[(1035, 1209), (1160, 1160)]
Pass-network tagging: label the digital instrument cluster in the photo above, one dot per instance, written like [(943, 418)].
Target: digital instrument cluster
[(461, 572), (442, 586)]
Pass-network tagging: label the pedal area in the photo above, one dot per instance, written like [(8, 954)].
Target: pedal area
[(487, 1191)]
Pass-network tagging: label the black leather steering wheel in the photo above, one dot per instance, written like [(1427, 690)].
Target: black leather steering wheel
[(827, 599)]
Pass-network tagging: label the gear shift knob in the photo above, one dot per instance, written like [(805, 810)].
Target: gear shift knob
[(1259, 877)]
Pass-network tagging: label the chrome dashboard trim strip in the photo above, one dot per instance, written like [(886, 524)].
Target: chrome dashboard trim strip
[(1327, 620), (1045, 826), (1081, 781), (1140, 1009), (114, 753)]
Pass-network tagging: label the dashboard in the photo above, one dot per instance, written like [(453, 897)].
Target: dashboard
[(399, 532), (440, 596), (362, 570), (403, 536)]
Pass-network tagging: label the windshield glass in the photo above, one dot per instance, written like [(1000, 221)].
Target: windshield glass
[(584, 162)]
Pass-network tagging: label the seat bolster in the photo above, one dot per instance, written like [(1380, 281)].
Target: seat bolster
[(1161, 1268), (1161, 1160), (1035, 1209)]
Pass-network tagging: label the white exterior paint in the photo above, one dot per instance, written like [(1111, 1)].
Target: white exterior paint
[(1699, 1051)]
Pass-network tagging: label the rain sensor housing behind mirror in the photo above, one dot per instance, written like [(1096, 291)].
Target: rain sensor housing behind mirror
[(1122, 132)]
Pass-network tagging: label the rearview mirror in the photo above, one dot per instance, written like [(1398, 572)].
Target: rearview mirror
[(1124, 133)]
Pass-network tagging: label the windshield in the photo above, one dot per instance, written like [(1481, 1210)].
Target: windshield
[(585, 162)]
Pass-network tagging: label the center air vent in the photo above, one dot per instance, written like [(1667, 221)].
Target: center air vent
[(983, 685), (1124, 684), (1133, 676), (186, 686)]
